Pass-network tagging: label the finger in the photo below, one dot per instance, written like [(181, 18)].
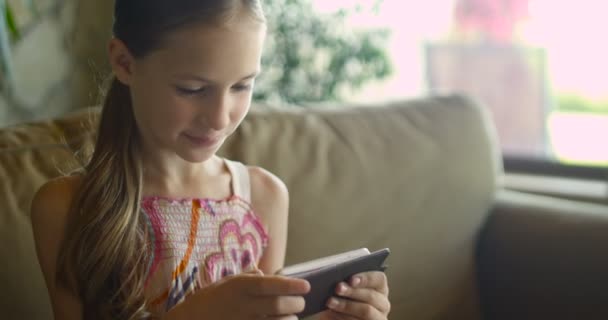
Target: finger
[(277, 285), (356, 309), (365, 295), (374, 279), (278, 305), (255, 271)]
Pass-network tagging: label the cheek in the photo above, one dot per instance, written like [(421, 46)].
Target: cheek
[(161, 111), (176, 116), (240, 109)]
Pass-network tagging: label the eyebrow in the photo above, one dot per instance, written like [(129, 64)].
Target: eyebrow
[(251, 76), (203, 79)]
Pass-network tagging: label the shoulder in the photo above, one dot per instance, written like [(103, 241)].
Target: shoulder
[(269, 194), (53, 199), (50, 210), (266, 188)]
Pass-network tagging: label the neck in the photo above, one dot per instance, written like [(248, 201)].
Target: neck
[(173, 176)]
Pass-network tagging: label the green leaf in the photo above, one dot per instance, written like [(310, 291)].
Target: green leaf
[(5, 52), (11, 24)]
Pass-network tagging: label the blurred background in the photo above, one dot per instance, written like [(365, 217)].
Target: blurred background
[(537, 65)]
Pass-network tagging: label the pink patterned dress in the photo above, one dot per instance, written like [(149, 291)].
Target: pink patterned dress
[(199, 241)]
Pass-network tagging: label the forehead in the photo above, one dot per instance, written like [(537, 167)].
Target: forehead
[(217, 52)]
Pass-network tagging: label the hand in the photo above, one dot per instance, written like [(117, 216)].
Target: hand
[(366, 299), (249, 296)]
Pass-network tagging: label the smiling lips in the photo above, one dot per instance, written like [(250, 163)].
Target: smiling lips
[(203, 141)]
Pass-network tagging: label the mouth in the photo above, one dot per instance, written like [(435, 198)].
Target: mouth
[(203, 141)]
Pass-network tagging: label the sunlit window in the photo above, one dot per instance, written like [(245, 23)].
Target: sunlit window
[(537, 65)]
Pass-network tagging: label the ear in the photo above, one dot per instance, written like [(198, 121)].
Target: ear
[(121, 60)]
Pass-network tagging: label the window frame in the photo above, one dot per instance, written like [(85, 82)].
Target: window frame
[(537, 166)]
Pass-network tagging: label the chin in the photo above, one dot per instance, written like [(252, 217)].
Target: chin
[(196, 154), (197, 157)]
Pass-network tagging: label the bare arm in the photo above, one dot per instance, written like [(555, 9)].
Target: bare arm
[(270, 200), (49, 213)]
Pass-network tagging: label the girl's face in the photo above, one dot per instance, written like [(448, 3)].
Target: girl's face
[(192, 93)]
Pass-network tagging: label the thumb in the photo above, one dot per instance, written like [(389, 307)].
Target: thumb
[(255, 271)]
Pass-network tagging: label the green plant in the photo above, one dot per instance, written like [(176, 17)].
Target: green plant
[(576, 103), (312, 57), (9, 32)]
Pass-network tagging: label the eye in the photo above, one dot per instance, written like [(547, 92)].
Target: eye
[(242, 87), (190, 91)]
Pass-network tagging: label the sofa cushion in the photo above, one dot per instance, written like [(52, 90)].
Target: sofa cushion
[(417, 176), (544, 258)]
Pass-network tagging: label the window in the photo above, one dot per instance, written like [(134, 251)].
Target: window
[(538, 65)]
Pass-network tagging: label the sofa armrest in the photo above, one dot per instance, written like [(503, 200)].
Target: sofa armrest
[(544, 258)]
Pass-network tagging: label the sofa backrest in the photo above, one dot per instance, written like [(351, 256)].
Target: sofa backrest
[(416, 176)]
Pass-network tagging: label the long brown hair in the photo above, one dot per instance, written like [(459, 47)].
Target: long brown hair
[(104, 257)]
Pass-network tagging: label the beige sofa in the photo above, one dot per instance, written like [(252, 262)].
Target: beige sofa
[(420, 176)]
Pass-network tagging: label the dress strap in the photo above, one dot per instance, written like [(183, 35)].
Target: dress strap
[(241, 185)]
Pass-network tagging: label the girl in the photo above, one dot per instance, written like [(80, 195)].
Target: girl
[(156, 225)]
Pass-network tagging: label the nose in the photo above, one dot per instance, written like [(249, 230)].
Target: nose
[(216, 112)]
